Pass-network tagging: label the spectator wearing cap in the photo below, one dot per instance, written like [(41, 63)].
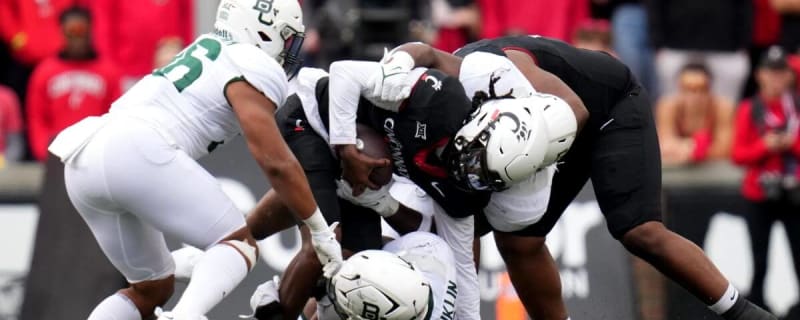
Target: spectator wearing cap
[(766, 143), (694, 124), (70, 86), (714, 32)]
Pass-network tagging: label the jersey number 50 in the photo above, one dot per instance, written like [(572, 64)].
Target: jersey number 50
[(186, 67)]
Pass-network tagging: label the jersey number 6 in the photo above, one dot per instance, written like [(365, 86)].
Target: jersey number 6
[(186, 67)]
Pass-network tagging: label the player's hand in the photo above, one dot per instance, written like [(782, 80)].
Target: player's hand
[(391, 83), (329, 251), (356, 168), (265, 300), (378, 200)]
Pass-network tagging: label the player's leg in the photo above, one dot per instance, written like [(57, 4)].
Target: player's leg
[(135, 248), (173, 193), (141, 255), (627, 179), (530, 266)]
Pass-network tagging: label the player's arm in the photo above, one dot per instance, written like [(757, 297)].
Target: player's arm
[(256, 115), (423, 55), (546, 82), (390, 81), (348, 81)]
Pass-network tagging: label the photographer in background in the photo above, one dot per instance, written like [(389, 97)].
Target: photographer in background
[(766, 143)]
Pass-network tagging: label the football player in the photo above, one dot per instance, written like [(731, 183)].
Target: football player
[(428, 290), (618, 150), (430, 255), (303, 121), (423, 138), (133, 174)]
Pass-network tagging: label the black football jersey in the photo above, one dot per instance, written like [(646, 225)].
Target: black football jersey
[(599, 79), (425, 122)]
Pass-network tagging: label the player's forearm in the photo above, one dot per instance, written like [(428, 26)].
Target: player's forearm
[(405, 220), (289, 181), (426, 56), (343, 104), (269, 216)]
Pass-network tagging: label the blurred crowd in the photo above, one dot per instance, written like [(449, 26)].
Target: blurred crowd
[(722, 73)]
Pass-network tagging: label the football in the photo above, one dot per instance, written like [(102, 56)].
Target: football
[(372, 144)]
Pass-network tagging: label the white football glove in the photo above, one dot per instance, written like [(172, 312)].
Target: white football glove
[(391, 83), (265, 294), (379, 200), (329, 251)]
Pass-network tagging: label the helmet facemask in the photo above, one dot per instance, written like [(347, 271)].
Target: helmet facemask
[(289, 56), (468, 165)]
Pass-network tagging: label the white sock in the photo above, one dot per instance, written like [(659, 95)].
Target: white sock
[(116, 307), (217, 273), (726, 301)]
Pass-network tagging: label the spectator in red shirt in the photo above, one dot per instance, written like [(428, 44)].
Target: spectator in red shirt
[(128, 32), (30, 27), (70, 86), (12, 146), (766, 143)]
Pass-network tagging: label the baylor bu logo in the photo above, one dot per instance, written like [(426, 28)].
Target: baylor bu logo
[(370, 311), (264, 7)]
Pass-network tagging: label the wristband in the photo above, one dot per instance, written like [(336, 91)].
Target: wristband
[(316, 222), (388, 207)]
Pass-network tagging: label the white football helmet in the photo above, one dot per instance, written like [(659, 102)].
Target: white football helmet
[(506, 140), (275, 26), (375, 284)]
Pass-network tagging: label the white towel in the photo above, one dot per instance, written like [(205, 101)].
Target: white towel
[(73, 139)]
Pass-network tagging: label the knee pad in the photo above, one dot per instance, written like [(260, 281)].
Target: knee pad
[(247, 250)]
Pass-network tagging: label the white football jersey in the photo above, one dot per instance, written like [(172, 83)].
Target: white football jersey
[(479, 68), (434, 258), (185, 100)]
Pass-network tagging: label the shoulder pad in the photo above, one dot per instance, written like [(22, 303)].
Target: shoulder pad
[(260, 70), (478, 68), (305, 84)]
